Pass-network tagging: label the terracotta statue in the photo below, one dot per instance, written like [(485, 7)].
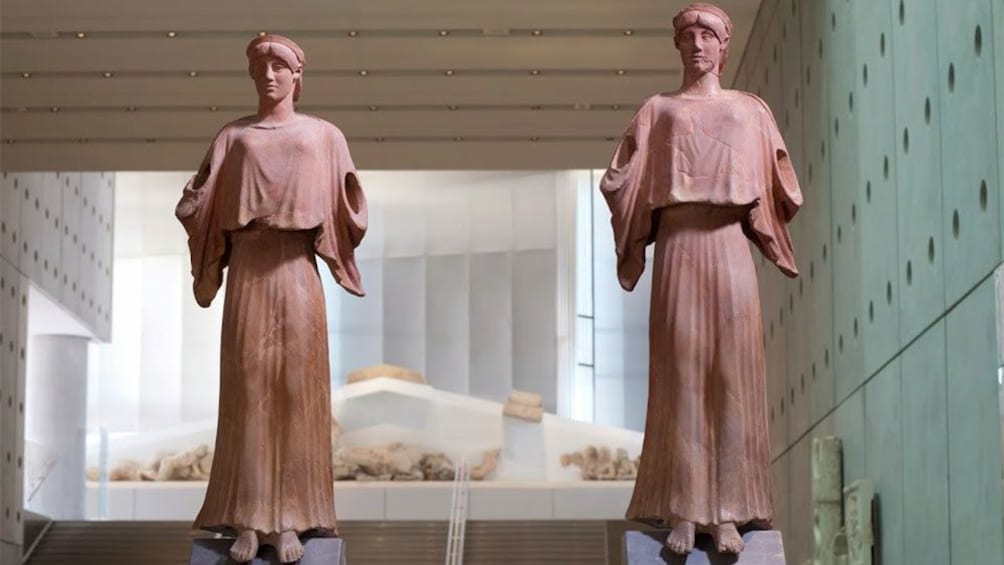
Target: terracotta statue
[(699, 171), (275, 189)]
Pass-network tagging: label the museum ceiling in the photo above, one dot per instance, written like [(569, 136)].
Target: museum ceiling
[(450, 84)]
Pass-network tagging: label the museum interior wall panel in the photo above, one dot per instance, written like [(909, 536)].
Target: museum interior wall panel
[(44, 252), (969, 144), (448, 325), (918, 89), (974, 447), (883, 267), (925, 448)]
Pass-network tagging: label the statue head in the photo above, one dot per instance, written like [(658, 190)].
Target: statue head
[(275, 63), (701, 32)]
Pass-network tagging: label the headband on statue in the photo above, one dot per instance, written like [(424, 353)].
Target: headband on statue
[(707, 16)]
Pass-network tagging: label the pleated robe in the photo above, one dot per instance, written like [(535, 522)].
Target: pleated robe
[(699, 177), (265, 201)]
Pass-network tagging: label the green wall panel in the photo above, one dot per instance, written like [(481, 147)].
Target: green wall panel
[(849, 424), (798, 546), (968, 143), (974, 430), (779, 476), (925, 449), (884, 458), (817, 275), (869, 222), (845, 177), (918, 169)]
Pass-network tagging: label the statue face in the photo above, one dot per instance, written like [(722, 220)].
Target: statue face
[(700, 49), (273, 79)]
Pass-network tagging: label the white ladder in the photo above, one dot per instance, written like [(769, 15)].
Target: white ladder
[(458, 514)]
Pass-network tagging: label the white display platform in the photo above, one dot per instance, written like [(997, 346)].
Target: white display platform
[(389, 501), (528, 483)]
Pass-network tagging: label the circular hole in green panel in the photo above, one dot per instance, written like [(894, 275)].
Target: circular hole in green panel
[(810, 173), (885, 167), (796, 98), (819, 49), (808, 75), (836, 126), (782, 405), (983, 195), (882, 44), (951, 77), (864, 73), (822, 149), (813, 372), (838, 234), (840, 343), (833, 20), (824, 253), (909, 272), (978, 40), (854, 213), (927, 111), (888, 292), (855, 327), (802, 384), (906, 140), (801, 287), (868, 192), (775, 53), (871, 311), (850, 101), (812, 270), (784, 30), (902, 13), (826, 358), (930, 250)]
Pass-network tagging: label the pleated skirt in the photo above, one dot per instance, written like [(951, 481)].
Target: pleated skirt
[(706, 452), (272, 465)]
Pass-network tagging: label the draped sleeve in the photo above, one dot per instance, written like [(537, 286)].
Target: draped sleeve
[(197, 211), (627, 188), (344, 224), (781, 199)]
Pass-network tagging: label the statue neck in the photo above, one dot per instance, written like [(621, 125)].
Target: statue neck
[(700, 84), (277, 112)]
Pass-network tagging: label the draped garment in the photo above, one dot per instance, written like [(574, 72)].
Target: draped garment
[(699, 177)]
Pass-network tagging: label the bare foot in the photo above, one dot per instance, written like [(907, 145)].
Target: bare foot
[(728, 540), (245, 547), (289, 548), (681, 540)]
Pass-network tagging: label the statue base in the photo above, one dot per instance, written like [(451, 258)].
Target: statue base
[(316, 551), (763, 547)]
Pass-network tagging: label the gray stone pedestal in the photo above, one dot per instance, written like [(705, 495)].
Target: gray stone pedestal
[(649, 548), (316, 551)]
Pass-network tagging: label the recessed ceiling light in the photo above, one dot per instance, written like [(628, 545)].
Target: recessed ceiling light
[(615, 107), (130, 108), (537, 32), (535, 72), (448, 73), (620, 72), (378, 139), (213, 108), (25, 75), (628, 32), (353, 33), (443, 33), (262, 33), (172, 34), (534, 139), (374, 108), (107, 74), (81, 35), (82, 140), (54, 109), (10, 141), (193, 73), (458, 138), (363, 73), (535, 107), (452, 107)]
